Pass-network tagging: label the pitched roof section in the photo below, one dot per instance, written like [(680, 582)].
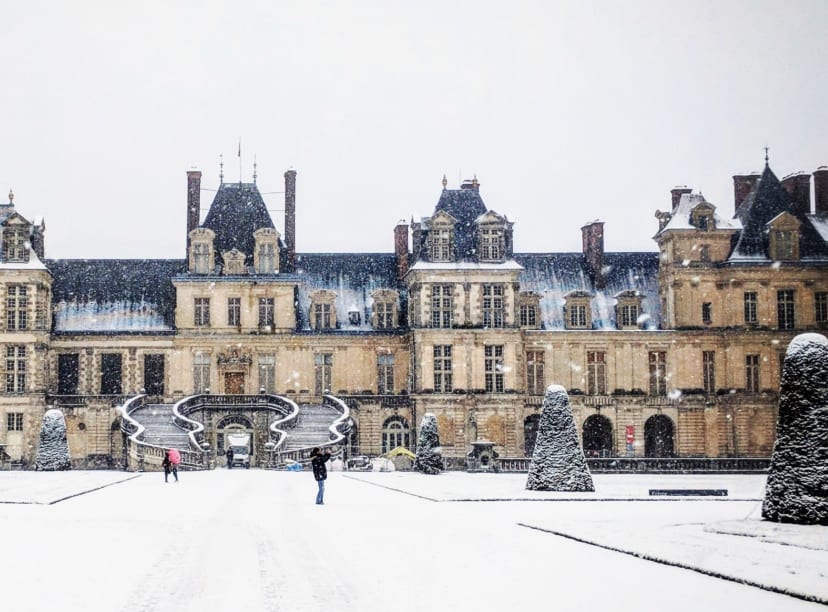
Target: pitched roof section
[(680, 216), (466, 206), (237, 211)]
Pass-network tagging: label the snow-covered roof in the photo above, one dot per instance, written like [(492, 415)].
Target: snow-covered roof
[(820, 224), (680, 216), (510, 264)]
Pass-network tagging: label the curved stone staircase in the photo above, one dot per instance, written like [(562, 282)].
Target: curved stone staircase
[(159, 428)]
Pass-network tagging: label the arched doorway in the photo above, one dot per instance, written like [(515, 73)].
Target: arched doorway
[(234, 423), (597, 436), (658, 436), (395, 432), (530, 433)]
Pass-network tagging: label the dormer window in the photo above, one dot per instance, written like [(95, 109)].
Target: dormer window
[(323, 310), (266, 256), (628, 310), (14, 245), (529, 310), (783, 236), (441, 244), (578, 310), (201, 251), (385, 309), (491, 243), (201, 258), (702, 217)]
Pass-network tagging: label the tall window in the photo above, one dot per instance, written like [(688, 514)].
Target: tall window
[(267, 258), (442, 368), (441, 244), (267, 307), (154, 373), (628, 315), (821, 306), (201, 258), (385, 374), (17, 307), (14, 245), (752, 373), (202, 311), (201, 372), (68, 373), (785, 308), (534, 372), (441, 306), (491, 243), (267, 373), (385, 315), (707, 312), (751, 301), (111, 374), (322, 316), (596, 373), (577, 315), (786, 243), (323, 366), (658, 372), (395, 432), (233, 311), (493, 305), (14, 421), (494, 368), (709, 371), (528, 315), (15, 369)]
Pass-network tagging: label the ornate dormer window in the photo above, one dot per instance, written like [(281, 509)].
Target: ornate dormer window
[(266, 256), (201, 251), (702, 216), (322, 313), (628, 309), (233, 262), (15, 247), (529, 310), (783, 234), (441, 238), (385, 309), (578, 310), (491, 237)]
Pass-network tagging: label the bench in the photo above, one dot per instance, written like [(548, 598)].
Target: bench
[(703, 492)]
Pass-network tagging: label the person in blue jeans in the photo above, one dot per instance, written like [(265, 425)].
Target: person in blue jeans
[(320, 472)]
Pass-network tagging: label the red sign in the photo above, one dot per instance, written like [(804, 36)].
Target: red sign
[(630, 434)]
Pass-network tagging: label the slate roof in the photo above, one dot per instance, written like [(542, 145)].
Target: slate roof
[(466, 206), (237, 211)]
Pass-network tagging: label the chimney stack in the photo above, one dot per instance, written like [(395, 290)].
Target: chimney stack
[(592, 235), (193, 203), (821, 190), (743, 184), (401, 249), (677, 192), (798, 187), (290, 220)]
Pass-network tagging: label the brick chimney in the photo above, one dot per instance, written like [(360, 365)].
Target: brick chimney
[(798, 187), (290, 220), (821, 190), (193, 203), (677, 192), (401, 249), (743, 184), (592, 235)]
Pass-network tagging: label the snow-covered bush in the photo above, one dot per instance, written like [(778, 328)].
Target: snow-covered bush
[(428, 460), (797, 487), (558, 463), (53, 450)]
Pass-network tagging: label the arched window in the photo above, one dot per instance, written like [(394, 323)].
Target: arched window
[(597, 436), (395, 432), (658, 436)]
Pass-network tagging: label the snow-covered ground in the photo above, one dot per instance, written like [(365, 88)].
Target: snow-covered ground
[(398, 542)]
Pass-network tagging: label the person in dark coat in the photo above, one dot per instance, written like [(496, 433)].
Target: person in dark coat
[(229, 455), (167, 465), (320, 472)]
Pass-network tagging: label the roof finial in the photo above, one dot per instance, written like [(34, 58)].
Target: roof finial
[(445, 181), (766, 156), (475, 182), (254, 169), (11, 196), (221, 169)]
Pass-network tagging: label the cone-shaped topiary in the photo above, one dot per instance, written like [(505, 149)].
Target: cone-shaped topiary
[(53, 451), (428, 459), (558, 463), (797, 487)]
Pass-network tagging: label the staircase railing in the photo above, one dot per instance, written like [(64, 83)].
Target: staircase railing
[(338, 430)]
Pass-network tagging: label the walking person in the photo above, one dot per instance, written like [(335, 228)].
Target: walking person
[(167, 465), (320, 472), (229, 455)]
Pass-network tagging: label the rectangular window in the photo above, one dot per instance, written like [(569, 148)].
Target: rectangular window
[(17, 307), (528, 315), (14, 421), (323, 367), (628, 315), (202, 311), (534, 372), (821, 306), (493, 306), (751, 301), (707, 312), (491, 243), (14, 245), (385, 374), (154, 374), (322, 316), (68, 374), (577, 315), (385, 315), (441, 306), (41, 308), (596, 373), (658, 372), (267, 258), (752, 373), (267, 309), (201, 258), (494, 368), (233, 311), (709, 371), (201, 372), (267, 373), (111, 374), (785, 308), (15, 369), (441, 244), (442, 368)]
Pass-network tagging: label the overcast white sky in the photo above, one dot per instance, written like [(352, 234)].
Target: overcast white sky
[(566, 111)]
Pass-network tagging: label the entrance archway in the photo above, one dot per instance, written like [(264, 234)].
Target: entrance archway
[(238, 424), (658, 436), (597, 436)]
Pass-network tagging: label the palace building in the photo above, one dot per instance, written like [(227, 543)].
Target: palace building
[(671, 353)]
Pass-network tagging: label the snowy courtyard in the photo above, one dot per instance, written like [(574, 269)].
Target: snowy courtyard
[(254, 540)]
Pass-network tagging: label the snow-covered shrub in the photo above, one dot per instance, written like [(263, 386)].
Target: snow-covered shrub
[(558, 463), (428, 460), (53, 450), (797, 487)]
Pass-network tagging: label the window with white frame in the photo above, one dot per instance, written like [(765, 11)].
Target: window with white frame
[(821, 307), (752, 373), (266, 258), (233, 311), (201, 372), (534, 372), (385, 374), (202, 311), (17, 307), (493, 311), (323, 370), (785, 308), (442, 307), (751, 302), (14, 245), (658, 372), (14, 421), (15, 368), (596, 373), (442, 368), (267, 373), (385, 315), (441, 246), (267, 311), (201, 257), (493, 369), (491, 243)]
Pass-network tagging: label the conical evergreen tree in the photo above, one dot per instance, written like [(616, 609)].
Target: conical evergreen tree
[(558, 463), (53, 450), (797, 487), (428, 459)]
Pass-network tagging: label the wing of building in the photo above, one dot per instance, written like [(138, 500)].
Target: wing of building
[(674, 353)]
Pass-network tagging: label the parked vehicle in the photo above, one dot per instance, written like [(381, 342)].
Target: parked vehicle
[(240, 443)]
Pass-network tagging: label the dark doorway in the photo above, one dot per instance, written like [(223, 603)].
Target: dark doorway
[(154, 374), (111, 374), (68, 374), (658, 437), (530, 433), (597, 436)]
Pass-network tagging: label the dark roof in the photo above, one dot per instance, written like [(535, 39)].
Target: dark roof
[(465, 205), (237, 211)]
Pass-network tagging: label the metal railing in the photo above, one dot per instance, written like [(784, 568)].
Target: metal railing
[(664, 465)]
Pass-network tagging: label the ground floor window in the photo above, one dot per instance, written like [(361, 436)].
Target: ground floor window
[(597, 436), (395, 432)]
